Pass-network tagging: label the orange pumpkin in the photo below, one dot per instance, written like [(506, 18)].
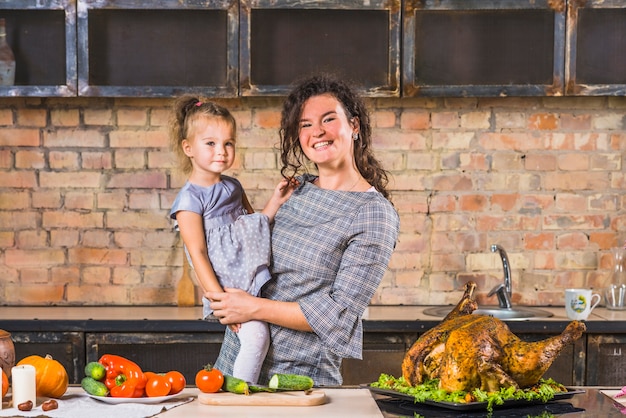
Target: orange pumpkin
[(51, 376), (5, 384)]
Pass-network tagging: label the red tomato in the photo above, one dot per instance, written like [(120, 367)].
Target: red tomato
[(5, 384), (158, 385), (209, 379), (177, 381)]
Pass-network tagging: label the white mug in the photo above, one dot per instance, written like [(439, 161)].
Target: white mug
[(579, 303)]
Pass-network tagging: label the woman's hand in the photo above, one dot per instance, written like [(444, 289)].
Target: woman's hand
[(233, 306)]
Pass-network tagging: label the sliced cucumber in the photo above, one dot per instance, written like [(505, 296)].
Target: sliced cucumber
[(290, 382)]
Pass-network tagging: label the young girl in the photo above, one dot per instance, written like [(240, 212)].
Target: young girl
[(227, 244)]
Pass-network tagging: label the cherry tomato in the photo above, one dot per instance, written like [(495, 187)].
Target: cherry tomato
[(149, 375), (158, 385), (209, 379), (177, 381), (5, 384)]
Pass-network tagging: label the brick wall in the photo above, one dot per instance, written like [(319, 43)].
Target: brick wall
[(86, 186)]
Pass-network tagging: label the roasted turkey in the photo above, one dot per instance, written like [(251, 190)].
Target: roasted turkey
[(467, 351)]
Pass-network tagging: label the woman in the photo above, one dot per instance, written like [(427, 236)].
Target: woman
[(331, 240)]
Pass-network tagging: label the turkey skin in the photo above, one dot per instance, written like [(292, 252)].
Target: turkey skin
[(467, 351)]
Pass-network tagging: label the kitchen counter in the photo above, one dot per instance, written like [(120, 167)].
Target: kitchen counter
[(358, 402), (187, 319)]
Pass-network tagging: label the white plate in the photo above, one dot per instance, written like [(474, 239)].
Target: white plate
[(145, 400)]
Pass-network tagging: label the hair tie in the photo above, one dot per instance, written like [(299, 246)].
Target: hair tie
[(198, 103)]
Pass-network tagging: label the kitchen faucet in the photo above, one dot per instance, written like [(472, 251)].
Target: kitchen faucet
[(503, 290)]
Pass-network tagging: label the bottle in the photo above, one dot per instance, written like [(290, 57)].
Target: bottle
[(7, 59)]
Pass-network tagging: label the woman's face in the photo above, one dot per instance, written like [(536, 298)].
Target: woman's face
[(326, 133)]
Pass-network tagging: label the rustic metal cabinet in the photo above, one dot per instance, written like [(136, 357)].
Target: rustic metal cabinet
[(282, 40), (392, 48), (42, 35), (157, 48), (606, 356), (483, 48), (596, 41)]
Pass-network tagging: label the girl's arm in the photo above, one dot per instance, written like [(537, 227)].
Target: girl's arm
[(237, 306), (192, 232), (283, 190)]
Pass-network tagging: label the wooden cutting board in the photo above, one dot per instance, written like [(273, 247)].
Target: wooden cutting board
[(299, 398)]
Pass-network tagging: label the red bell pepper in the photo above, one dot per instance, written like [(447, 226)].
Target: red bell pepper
[(124, 378)]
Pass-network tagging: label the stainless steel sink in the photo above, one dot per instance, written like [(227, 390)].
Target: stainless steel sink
[(516, 313)]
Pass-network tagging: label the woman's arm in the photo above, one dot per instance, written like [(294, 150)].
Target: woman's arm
[(236, 306), (192, 233)]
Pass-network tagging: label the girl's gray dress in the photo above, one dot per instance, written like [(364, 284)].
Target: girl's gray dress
[(238, 243)]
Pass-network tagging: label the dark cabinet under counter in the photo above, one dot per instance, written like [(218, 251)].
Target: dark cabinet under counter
[(160, 338)]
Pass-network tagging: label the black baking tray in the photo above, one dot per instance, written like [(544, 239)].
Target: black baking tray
[(473, 406)]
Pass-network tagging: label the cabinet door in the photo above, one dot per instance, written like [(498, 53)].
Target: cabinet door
[(42, 35), (68, 348), (157, 49), (159, 352), (606, 357), (483, 47), (382, 353), (596, 41), (283, 40)]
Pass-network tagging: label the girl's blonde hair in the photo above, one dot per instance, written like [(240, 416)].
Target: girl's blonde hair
[(187, 110)]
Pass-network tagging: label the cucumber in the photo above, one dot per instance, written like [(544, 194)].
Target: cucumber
[(94, 387), (95, 370), (282, 381), (235, 385)]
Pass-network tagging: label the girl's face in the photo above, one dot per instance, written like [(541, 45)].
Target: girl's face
[(326, 132), (210, 146)]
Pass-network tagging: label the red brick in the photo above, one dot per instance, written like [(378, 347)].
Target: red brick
[(158, 159), (63, 238), (64, 117), (34, 258), (540, 162), (577, 180), (100, 294), (96, 160), (575, 122), (139, 139), (78, 179), (6, 158), (126, 276), (18, 179), (132, 117), (570, 222), (148, 220), (539, 241), (98, 116), (383, 119), (6, 117), (604, 240), (143, 180), (32, 117), (97, 256), (414, 120), (36, 294), (14, 201), (452, 140), (143, 201), (473, 162), (30, 159), (72, 219), (46, 199), (33, 275), (452, 181), (505, 202), (63, 160), (16, 220), (130, 159), (27, 239), (19, 137), (473, 202), (573, 162), (572, 241), (543, 121), (267, 119), (445, 120), (96, 275), (159, 117), (74, 138)]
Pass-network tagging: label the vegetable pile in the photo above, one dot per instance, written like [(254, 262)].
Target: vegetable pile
[(543, 391), (120, 377)]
